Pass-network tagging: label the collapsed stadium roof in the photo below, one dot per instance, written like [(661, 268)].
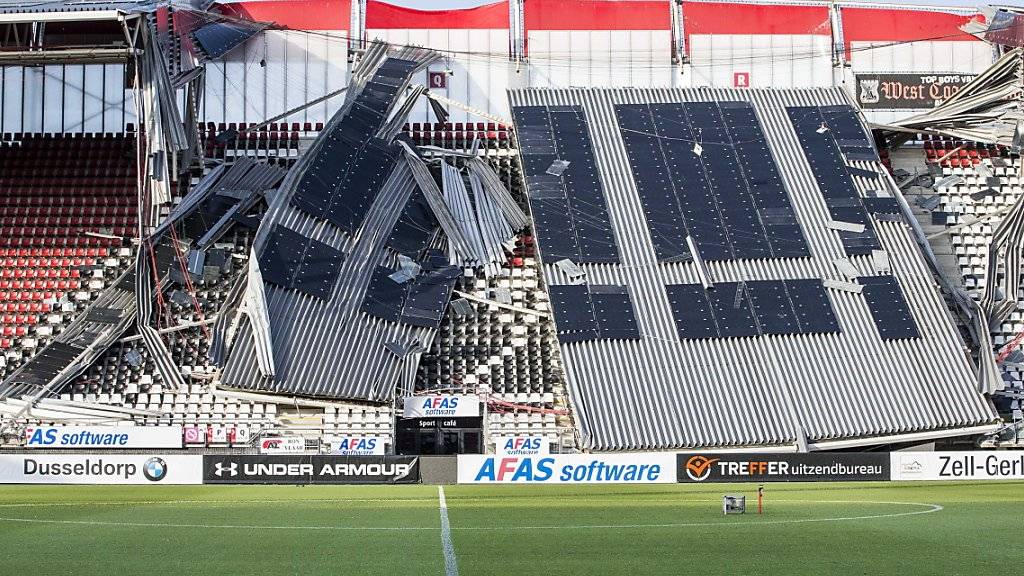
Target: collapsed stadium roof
[(345, 291), (685, 214)]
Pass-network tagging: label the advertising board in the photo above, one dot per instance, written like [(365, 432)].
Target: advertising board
[(974, 465), (783, 467), (908, 91), (311, 469), (638, 468), (100, 469), (441, 406), (283, 445), (103, 437)]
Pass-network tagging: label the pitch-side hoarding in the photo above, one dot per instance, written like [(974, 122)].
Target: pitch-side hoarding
[(312, 469), (100, 469), (783, 467), (639, 468), (974, 465), (103, 437)]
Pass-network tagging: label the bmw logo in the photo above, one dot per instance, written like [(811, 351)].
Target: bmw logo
[(155, 469)]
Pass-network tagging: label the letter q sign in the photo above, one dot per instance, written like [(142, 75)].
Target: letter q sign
[(437, 80)]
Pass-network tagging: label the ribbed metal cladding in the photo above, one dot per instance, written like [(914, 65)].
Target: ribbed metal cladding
[(660, 392), (329, 348)]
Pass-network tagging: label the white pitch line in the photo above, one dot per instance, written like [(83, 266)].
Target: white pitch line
[(425, 500), (451, 565), (931, 508), (213, 526), (446, 528)]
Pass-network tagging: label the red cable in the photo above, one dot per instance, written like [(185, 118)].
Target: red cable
[(526, 408), (1010, 347), (156, 282), (188, 283)]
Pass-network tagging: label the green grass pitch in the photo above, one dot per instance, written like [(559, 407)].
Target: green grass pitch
[(905, 528)]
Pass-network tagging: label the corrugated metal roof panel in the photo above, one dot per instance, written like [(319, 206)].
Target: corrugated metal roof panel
[(662, 393)]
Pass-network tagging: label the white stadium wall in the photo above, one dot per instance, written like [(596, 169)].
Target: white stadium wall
[(65, 98), (475, 42), (567, 43), (758, 45), (890, 41), (582, 43), (281, 69), (598, 43)]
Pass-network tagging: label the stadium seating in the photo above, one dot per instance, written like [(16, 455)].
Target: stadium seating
[(971, 210), (511, 352), (67, 204), (280, 143)]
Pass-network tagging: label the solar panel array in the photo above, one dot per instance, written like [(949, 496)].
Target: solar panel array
[(751, 308), (215, 39), (782, 336), (415, 227), (418, 302), (592, 312), (294, 261), (704, 169), (569, 210), (889, 308), (827, 134), (350, 167)]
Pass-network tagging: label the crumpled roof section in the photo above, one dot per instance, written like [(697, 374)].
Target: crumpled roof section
[(318, 247)]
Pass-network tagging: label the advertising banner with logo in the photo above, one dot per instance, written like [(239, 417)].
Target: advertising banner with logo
[(358, 446), (652, 468), (312, 469), (441, 406), (974, 465), (811, 467), (908, 91), (521, 445), (100, 469), (103, 437), (286, 445)]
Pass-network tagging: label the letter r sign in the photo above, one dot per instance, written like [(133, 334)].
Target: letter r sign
[(741, 79)]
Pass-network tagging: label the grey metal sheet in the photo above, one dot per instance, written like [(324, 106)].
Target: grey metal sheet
[(664, 392)]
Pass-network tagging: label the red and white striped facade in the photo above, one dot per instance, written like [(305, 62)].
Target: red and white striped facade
[(561, 43)]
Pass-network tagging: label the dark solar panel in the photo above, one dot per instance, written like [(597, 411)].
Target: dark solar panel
[(733, 316), (824, 155), (592, 312), (862, 173), (427, 299), (45, 366), (569, 209), (384, 298), (772, 307), (418, 302), (691, 311), (812, 307), (351, 165), (718, 197), (574, 313), (888, 307), (883, 205), (613, 311), (294, 261), (654, 183), (218, 38), (751, 308), (415, 226), (849, 133), (689, 182)]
